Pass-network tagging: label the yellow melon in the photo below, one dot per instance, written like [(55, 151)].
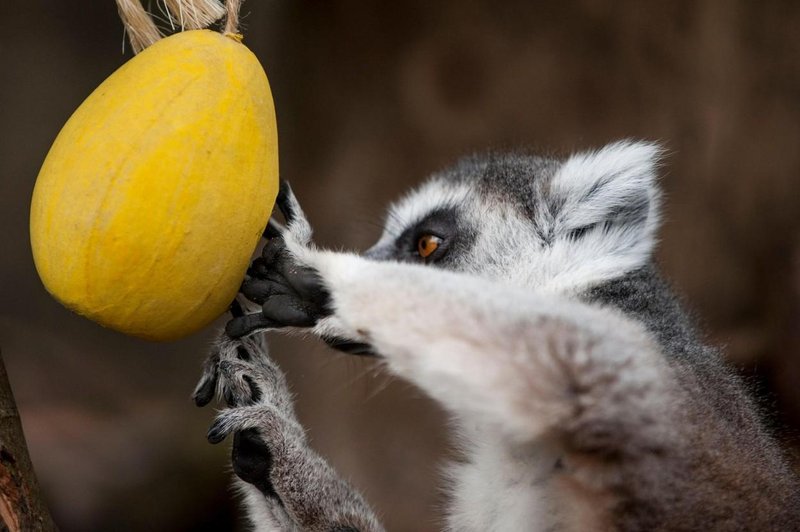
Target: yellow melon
[(156, 191)]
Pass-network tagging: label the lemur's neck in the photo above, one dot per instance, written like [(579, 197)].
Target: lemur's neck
[(645, 296)]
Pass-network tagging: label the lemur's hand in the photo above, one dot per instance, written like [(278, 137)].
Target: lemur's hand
[(298, 489), (260, 409), (290, 290), (231, 369), (291, 293)]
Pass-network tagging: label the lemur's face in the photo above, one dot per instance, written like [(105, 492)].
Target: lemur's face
[(553, 224), (472, 217)]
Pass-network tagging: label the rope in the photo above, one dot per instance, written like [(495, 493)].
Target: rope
[(195, 14), (232, 20), (190, 14), (141, 30)]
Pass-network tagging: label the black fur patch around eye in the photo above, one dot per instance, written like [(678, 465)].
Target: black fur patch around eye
[(446, 223)]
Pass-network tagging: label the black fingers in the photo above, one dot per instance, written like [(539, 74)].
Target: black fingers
[(238, 327), (273, 251), (236, 309), (291, 295), (258, 290), (290, 311), (273, 256), (258, 268), (307, 284)]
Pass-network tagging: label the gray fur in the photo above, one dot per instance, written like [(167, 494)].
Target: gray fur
[(586, 398), (730, 474), (310, 495)]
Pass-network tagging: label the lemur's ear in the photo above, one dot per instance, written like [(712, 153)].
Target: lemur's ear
[(609, 195)]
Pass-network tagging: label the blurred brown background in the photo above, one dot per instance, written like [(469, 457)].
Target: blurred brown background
[(371, 96)]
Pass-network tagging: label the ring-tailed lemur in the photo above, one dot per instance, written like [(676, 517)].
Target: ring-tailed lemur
[(519, 292)]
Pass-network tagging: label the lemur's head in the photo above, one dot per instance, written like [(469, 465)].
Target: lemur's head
[(556, 224)]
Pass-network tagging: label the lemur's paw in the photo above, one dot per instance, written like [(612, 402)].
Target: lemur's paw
[(242, 373), (262, 434), (290, 292)]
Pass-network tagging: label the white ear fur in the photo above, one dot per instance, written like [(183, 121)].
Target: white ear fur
[(603, 207), (612, 183)]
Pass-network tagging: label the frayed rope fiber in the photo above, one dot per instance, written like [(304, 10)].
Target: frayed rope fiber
[(141, 30), (195, 15), (190, 15)]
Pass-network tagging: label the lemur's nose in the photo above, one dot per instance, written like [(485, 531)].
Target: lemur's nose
[(378, 252)]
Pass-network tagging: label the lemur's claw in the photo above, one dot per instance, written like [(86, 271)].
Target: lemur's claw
[(205, 390), (285, 201), (207, 386), (216, 433)]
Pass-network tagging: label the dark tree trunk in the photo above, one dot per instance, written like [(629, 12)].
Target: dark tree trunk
[(21, 504)]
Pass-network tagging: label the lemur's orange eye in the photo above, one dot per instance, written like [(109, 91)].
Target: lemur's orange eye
[(427, 244)]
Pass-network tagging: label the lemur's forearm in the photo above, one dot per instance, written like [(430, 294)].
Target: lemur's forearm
[(287, 485), (308, 496), (525, 362)]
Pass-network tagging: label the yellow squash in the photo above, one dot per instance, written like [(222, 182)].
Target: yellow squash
[(156, 191)]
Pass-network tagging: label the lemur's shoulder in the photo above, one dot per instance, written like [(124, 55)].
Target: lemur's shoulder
[(645, 296), (705, 374)]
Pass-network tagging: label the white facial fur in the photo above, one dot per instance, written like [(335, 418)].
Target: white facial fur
[(589, 190)]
